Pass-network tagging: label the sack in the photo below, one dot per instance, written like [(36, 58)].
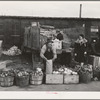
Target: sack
[(49, 66)]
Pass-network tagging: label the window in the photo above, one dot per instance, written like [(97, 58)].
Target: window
[(94, 29), (16, 29)]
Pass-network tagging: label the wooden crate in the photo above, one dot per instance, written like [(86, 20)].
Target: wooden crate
[(71, 79), (54, 79)]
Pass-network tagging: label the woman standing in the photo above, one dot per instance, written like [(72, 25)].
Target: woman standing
[(80, 49)]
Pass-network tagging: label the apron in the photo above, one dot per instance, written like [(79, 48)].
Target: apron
[(49, 64)]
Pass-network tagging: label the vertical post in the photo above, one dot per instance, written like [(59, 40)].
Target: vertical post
[(33, 59), (80, 14)]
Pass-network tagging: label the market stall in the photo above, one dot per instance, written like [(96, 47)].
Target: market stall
[(65, 69)]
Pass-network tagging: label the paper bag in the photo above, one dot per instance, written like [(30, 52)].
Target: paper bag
[(49, 66)]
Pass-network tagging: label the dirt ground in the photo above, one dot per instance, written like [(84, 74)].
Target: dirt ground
[(93, 86), (26, 62)]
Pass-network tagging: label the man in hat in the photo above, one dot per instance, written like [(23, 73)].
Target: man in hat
[(48, 52)]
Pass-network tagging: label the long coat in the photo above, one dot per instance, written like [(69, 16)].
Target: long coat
[(79, 50)]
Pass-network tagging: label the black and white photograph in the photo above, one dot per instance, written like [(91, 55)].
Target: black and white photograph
[(50, 46)]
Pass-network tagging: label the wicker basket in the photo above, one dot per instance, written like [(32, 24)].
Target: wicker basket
[(36, 80), (6, 81), (85, 77), (22, 81)]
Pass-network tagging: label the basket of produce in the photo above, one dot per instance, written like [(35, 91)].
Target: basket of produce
[(85, 73), (36, 77), (21, 78), (96, 72), (6, 78)]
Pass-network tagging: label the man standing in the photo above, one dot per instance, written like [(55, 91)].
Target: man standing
[(48, 52)]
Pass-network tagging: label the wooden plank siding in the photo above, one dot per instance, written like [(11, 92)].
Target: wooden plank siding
[(12, 27)]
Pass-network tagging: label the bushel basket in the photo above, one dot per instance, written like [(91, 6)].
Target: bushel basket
[(84, 77), (22, 81), (36, 79), (6, 81)]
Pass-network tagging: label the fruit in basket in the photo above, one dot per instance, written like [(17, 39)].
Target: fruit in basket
[(21, 73), (37, 72), (6, 73)]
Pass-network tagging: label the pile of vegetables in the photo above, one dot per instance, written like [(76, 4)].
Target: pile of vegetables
[(65, 71), (12, 51), (84, 68), (21, 73)]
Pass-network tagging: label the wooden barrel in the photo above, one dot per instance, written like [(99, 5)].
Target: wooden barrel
[(36, 80), (22, 81), (6, 81)]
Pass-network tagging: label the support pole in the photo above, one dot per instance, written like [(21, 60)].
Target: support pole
[(80, 14)]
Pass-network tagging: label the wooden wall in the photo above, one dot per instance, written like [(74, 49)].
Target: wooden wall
[(12, 28)]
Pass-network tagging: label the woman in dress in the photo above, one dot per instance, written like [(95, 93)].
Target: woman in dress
[(80, 49)]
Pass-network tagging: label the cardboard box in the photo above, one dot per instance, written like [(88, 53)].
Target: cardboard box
[(73, 79), (54, 79)]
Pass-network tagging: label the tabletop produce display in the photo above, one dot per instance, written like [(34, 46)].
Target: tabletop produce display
[(62, 75)]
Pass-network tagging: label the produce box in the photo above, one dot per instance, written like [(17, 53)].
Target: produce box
[(57, 44), (54, 79), (66, 45), (71, 79), (95, 61)]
